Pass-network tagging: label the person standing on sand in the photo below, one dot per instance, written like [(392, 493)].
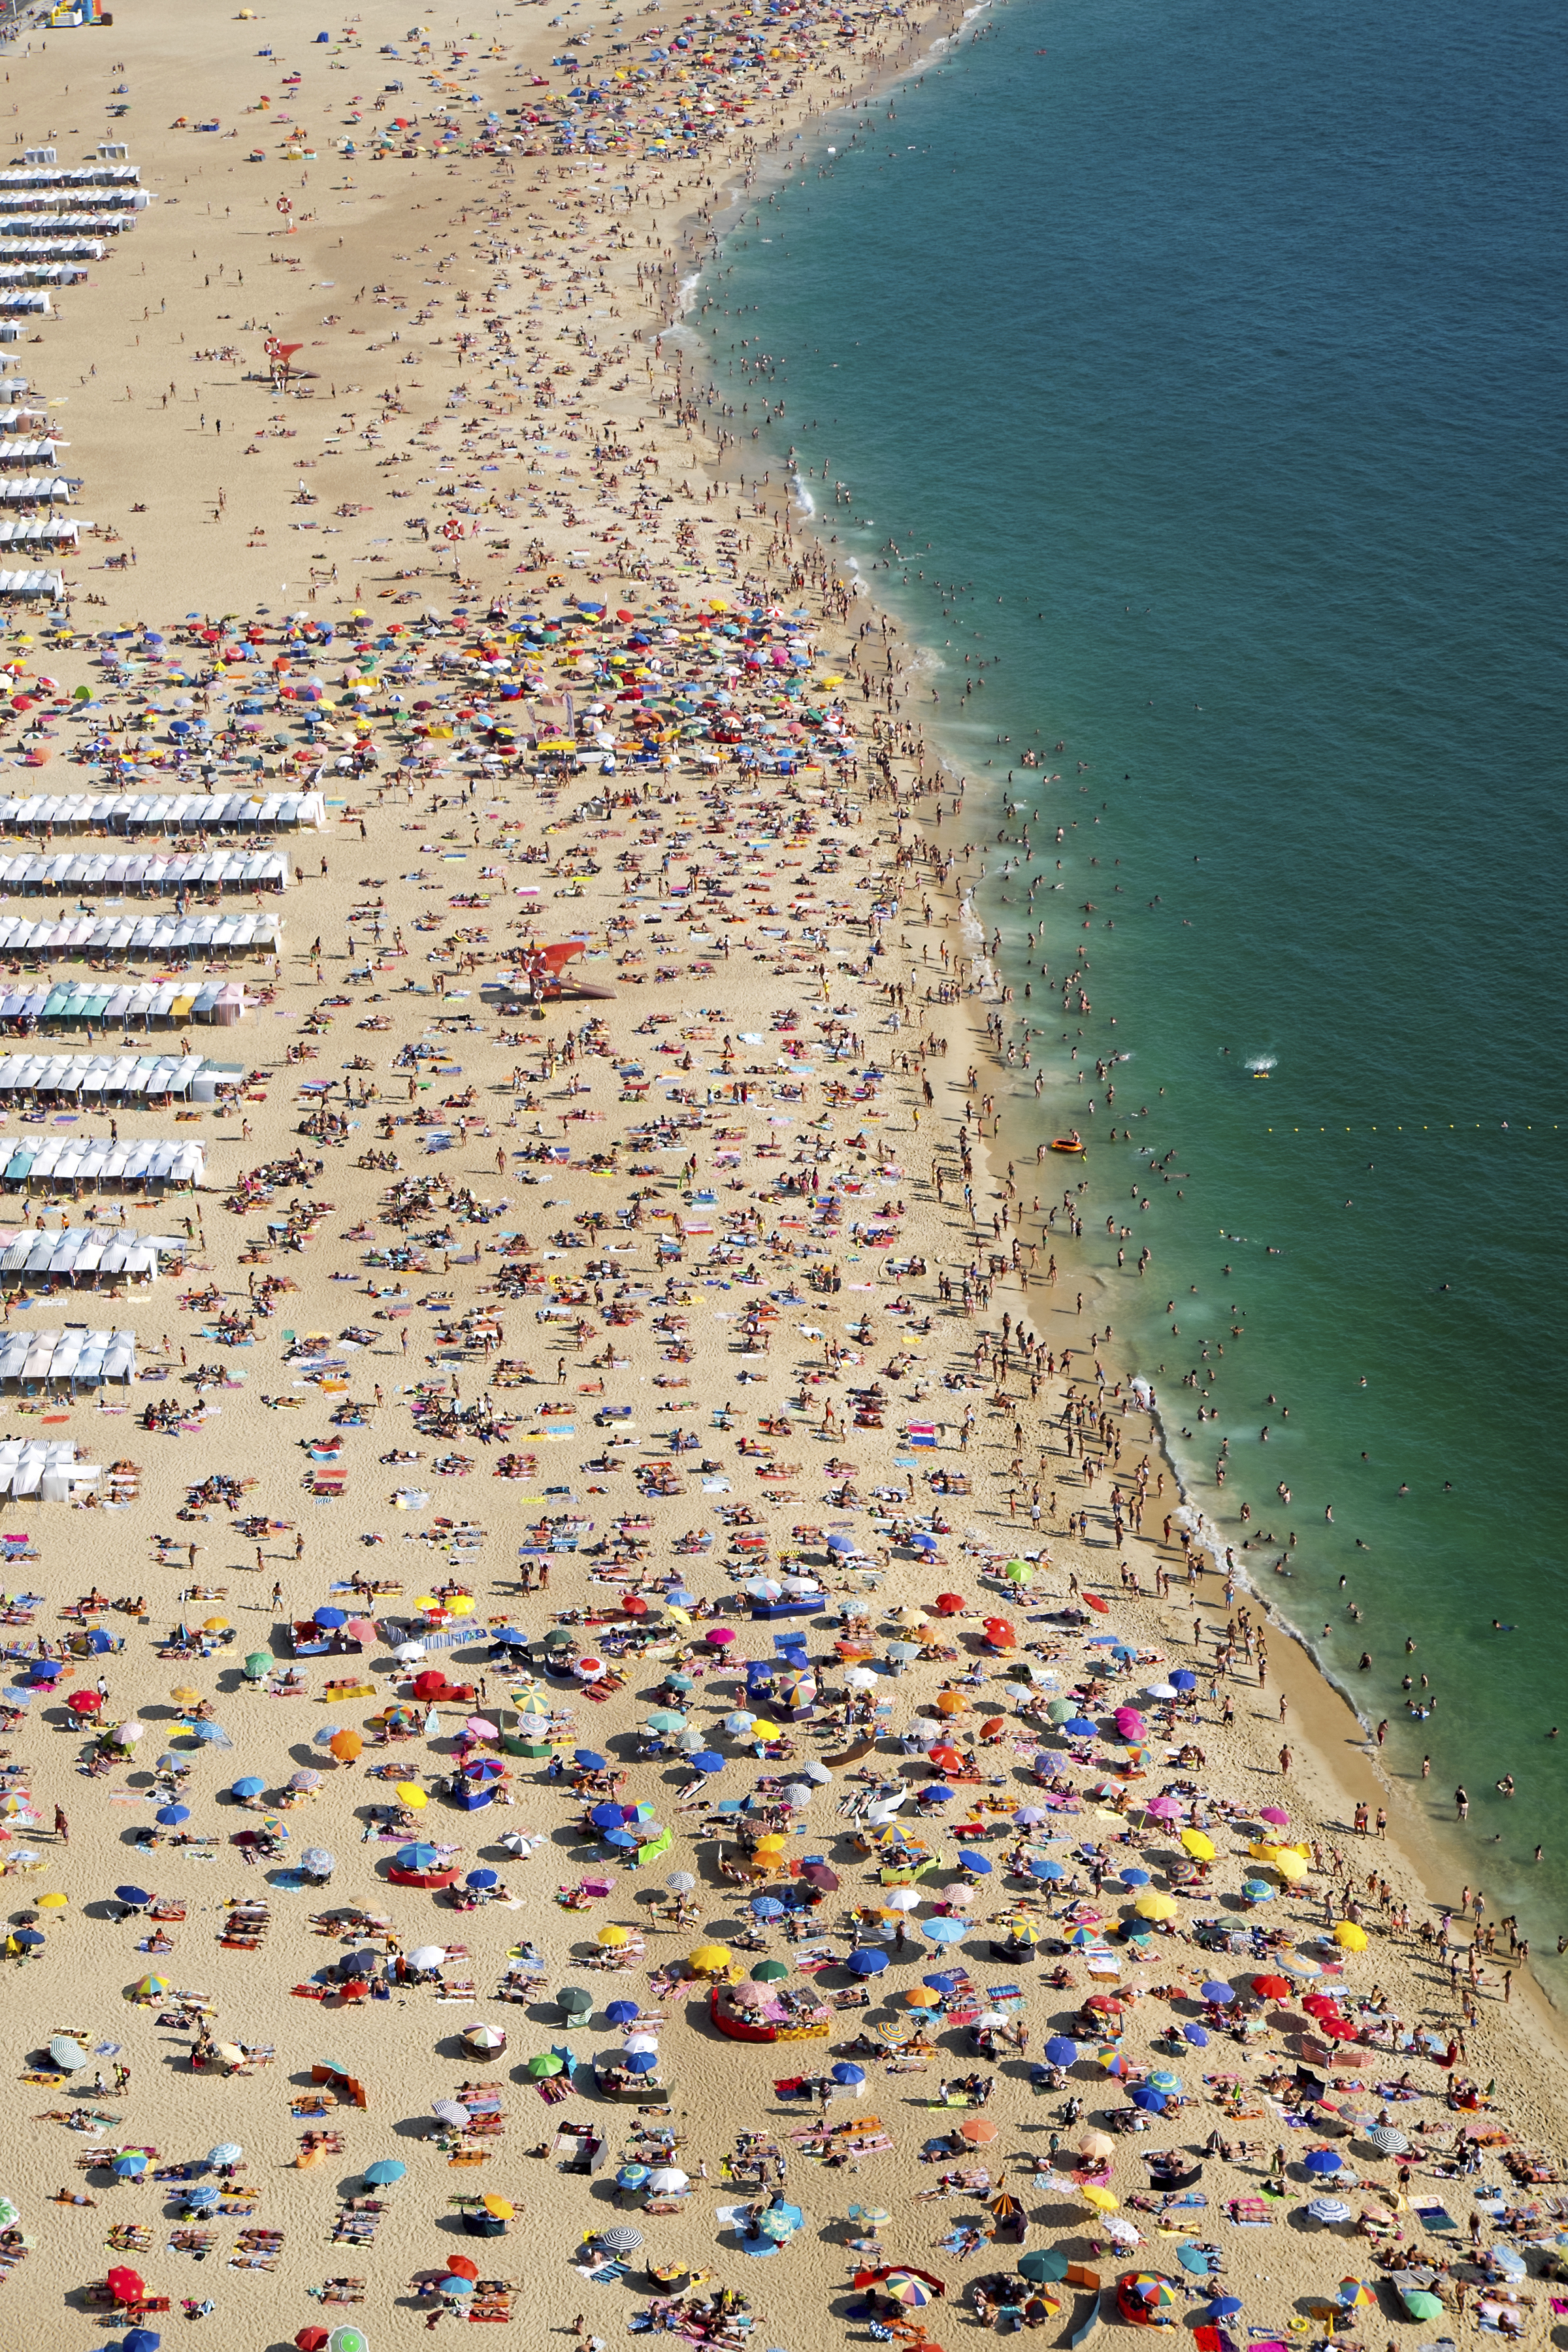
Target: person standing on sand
[(62, 1827)]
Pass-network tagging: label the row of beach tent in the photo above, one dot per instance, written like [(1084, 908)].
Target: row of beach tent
[(212, 869), (79, 1250), (137, 1078), (136, 1164), (85, 1001), (51, 1472), (128, 813), (77, 1358), (160, 935)]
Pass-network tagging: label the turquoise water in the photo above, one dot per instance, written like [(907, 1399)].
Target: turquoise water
[(1206, 374)]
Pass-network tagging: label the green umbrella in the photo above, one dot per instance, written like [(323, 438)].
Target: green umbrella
[(258, 1665), (574, 2000), (770, 1971), (667, 1719), (1043, 2266), (1061, 1711), (539, 2069)]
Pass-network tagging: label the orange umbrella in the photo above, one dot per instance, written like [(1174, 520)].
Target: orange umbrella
[(979, 2131)]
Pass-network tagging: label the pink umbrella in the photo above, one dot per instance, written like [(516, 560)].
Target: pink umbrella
[(1275, 1813), (1164, 1809), (721, 1637), (477, 1729), (1129, 1723), (360, 1628)]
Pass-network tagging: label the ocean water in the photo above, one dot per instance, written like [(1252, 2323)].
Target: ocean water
[(1200, 372)]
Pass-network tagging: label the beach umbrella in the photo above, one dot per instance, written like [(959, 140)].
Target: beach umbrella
[(1095, 2146), (169, 1817), (1276, 1814), (1217, 1993), (1156, 1906), (1060, 2051), (641, 2062), (347, 2338), (589, 1758), (319, 1860), (249, 1787), (384, 2174), (1271, 1987), (542, 2068), (139, 2339), (1329, 2210), (303, 1783), (150, 1988), (1419, 2302), (639, 2042), (455, 2284), (1102, 2200), (574, 2000), (449, 2111), (1349, 1936), (907, 2288), (1151, 2102), (424, 1957), (770, 1971), (945, 1931), (258, 1665), (708, 1959), (1134, 1877), (227, 2151), (1196, 2036), (129, 2166), (978, 2130), (667, 2180), (1161, 2079), (481, 1879), (211, 1735), (865, 1962), (847, 2078), (1044, 2266), (1079, 1726), (1224, 2307), (65, 2053), (1201, 1847), (621, 2238), (1386, 2139), (1183, 1679), (53, 1902), (125, 2285), (1322, 2162)]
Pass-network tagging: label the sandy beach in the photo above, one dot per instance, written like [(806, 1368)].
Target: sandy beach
[(652, 1343)]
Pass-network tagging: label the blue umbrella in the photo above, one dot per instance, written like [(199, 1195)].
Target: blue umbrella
[(197, 2193), (851, 2077), (941, 1983), (707, 1760), (979, 1864), (641, 2062), (126, 2168), (416, 1857), (1224, 2307), (169, 1817), (1320, 2161), (329, 1620), (1183, 1679), (28, 1935), (1061, 2050), (623, 1837), (840, 1543), (1219, 1993), (249, 1787), (141, 2339), (1134, 1877), (228, 2151), (867, 1963), (622, 2012), (1048, 1869), (589, 1758), (945, 1931), (510, 1638), (1196, 2036), (1079, 1726), (767, 1907), (134, 1897), (1151, 2102), (455, 2285), (937, 1791), (98, 1641), (482, 1878), (607, 1817), (382, 2174), (632, 2176), (212, 1735)]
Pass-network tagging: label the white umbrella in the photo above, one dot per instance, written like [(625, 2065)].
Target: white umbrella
[(428, 1955), (902, 1898), (449, 2111), (635, 2041), (666, 2181), (407, 1652)]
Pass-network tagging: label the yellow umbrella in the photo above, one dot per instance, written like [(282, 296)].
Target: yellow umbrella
[(185, 1695), (461, 1604), (53, 1902), (411, 1794), (765, 1731), (1156, 1906), (1200, 1847), (709, 1958), (500, 2208), (1290, 1864), (427, 1600), (1100, 2199), (215, 1624), (612, 1939), (1350, 1937)]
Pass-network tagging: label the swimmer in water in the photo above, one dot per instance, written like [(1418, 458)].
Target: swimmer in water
[(1498, 1627)]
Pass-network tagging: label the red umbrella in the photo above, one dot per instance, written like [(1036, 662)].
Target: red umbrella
[(312, 2339), (84, 1702), (635, 1605), (817, 1874), (463, 2266), (125, 2285), (1095, 1602), (1271, 1987), (430, 1684), (949, 1604)]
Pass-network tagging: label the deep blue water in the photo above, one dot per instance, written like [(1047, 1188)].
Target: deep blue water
[(1206, 373)]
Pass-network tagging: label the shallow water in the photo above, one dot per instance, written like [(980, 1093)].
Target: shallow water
[(1205, 373)]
